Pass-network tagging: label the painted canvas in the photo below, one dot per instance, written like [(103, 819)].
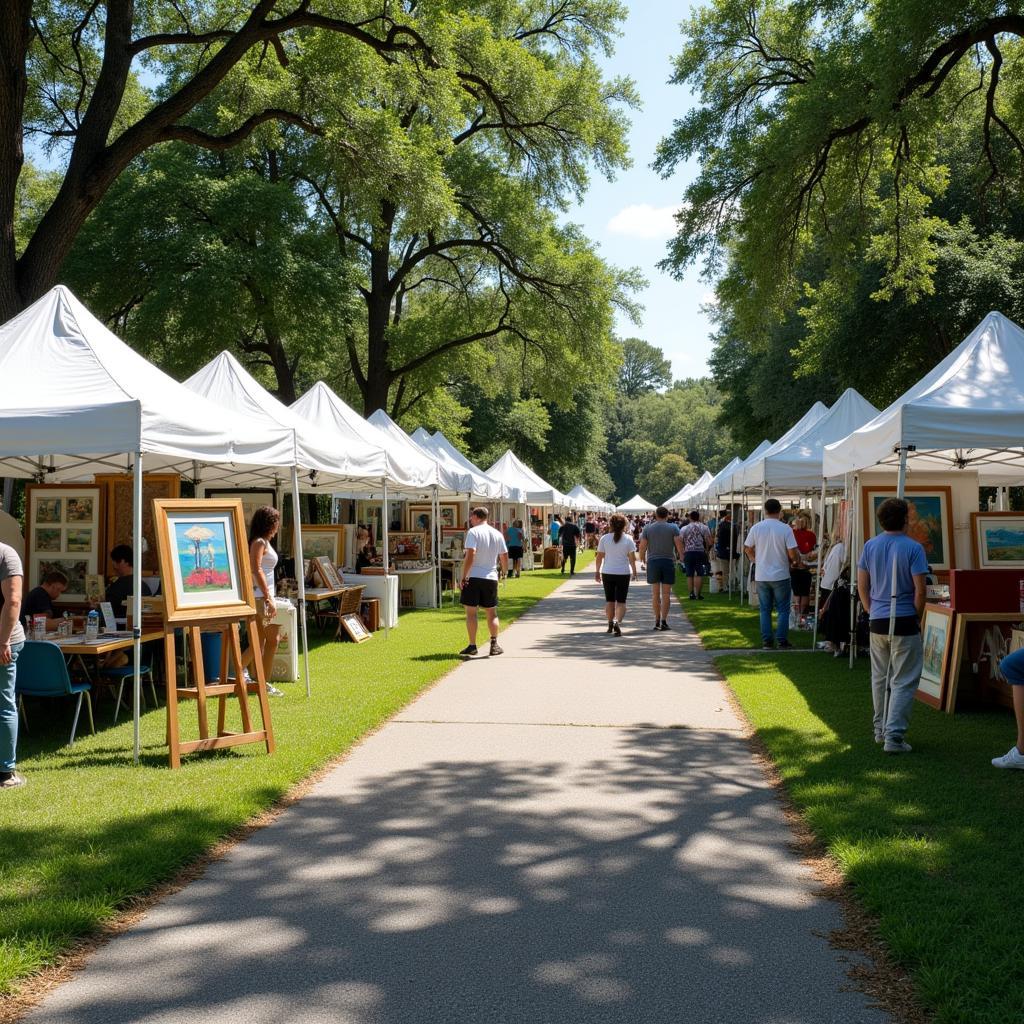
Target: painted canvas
[(327, 541), (78, 540), (75, 569), (48, 510), (47, 539), (80, 510), (935, 634), (998, 540), (930, 521), (202, 552)]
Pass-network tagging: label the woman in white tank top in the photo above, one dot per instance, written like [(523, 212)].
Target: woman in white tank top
[(266, 521)]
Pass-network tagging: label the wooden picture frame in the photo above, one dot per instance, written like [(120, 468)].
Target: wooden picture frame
[(937, 629), (419, 517), (406, 539), (935, 537), (119, 491), (204, 559), (355, 628), (64, 526), (963, 619), (328, 573), (323, 539), (1005, 527)]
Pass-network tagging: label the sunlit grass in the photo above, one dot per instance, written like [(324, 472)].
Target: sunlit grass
[(90, 831), (930, 842), (724, 624)]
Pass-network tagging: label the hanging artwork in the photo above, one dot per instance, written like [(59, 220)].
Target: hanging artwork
[(63, 531), (930, 521), (997, 540), (119, 491)]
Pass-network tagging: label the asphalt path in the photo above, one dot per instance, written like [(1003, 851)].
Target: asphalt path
[(575, 831)]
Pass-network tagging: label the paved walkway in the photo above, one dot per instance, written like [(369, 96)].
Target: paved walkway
[(573, 832)]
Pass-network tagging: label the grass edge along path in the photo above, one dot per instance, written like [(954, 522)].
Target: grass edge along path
[(90, 834), (928, 843), (723, 624)]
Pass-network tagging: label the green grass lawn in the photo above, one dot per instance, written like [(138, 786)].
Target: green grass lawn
[(90, 831), (724, 624), (930, 842)]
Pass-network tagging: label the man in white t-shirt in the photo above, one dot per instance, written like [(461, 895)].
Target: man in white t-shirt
[(485, 550), (771, 546)]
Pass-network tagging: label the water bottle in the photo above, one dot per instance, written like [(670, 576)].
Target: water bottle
[(92, 625)]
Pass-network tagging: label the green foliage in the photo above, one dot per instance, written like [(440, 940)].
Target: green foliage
[(668, 475), (644, 368)]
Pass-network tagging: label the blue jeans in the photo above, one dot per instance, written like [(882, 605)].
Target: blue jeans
[(779, 593), (9, 712)]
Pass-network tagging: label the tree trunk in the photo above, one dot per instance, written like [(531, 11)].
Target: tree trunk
[(378, 307), (15, 32)]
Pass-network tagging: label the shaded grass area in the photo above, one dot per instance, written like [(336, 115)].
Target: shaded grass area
[(724, 624), (930, 842), (90, 831)]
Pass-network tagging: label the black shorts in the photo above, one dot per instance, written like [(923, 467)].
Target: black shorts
[(694, 562), (616, 587), (478, 593), (801, 580), (515, 553)]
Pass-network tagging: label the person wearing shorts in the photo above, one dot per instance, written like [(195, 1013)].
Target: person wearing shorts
[(515, 542), (616, 555), (660, 545), (1012, 668), (696, 538), (485, 551)]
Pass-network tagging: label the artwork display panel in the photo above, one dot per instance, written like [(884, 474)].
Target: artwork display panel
[(119, 491), (936, 637), (251, 498), (420, 518), (930, 522), (64, 531), (997, 540), (203, 559)]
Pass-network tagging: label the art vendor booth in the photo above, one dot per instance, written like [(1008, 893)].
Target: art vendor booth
[(957, 430), (83, 416)]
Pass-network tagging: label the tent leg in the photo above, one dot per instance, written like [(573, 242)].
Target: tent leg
[(300, 575), (137, 607), (853, 578), (821, 565), (384, 527)]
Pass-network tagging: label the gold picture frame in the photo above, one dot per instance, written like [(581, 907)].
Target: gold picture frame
[(327, 539), (204, 559), (931, 520)]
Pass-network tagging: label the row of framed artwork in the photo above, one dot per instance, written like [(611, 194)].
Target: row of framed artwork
[(946, 636), (997, 538)]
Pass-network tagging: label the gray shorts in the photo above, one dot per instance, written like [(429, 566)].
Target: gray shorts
[(661, 570)]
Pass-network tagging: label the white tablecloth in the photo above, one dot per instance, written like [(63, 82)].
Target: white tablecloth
[(384, 588)]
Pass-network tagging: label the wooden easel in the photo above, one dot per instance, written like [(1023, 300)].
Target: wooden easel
[(200, 691)]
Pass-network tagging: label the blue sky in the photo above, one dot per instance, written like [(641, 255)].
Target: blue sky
[(631, 217)]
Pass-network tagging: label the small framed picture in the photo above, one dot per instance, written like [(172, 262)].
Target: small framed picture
[(328, 573), (204, 559), (355, 628), (95, 587), (997, 540), (936, 635)]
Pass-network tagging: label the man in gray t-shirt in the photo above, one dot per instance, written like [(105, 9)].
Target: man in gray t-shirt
[(659, 546), (12, 639)]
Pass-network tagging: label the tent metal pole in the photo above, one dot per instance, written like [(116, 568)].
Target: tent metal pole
[(387, 581), (901, 479), (137, 607), (299, 574), (854, 553), (821, 565)]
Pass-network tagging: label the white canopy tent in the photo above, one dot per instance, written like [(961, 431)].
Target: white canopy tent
[(511, 471), (78, 401), (967, 413), (751, 474), (588, 501), (710, 489), (682, 497), (636, 505), (797, 466)]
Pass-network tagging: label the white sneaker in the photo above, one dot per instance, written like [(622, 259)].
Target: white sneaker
[(273, 691), (1013, 758)]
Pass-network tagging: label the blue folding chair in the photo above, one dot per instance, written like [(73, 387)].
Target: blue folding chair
[(42, 672), (122, 674)]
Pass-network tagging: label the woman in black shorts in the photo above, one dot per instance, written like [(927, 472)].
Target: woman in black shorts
[(616, 554), (514, 541)]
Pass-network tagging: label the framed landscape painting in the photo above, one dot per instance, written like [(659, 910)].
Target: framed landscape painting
[(204, 559), (936, 636), (324, 540), (997, 540), (930, 522)]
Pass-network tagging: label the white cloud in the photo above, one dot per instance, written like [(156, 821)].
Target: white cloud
[(643, 220)]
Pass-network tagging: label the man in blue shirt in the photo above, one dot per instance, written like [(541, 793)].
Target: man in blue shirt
[(901, 659)]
